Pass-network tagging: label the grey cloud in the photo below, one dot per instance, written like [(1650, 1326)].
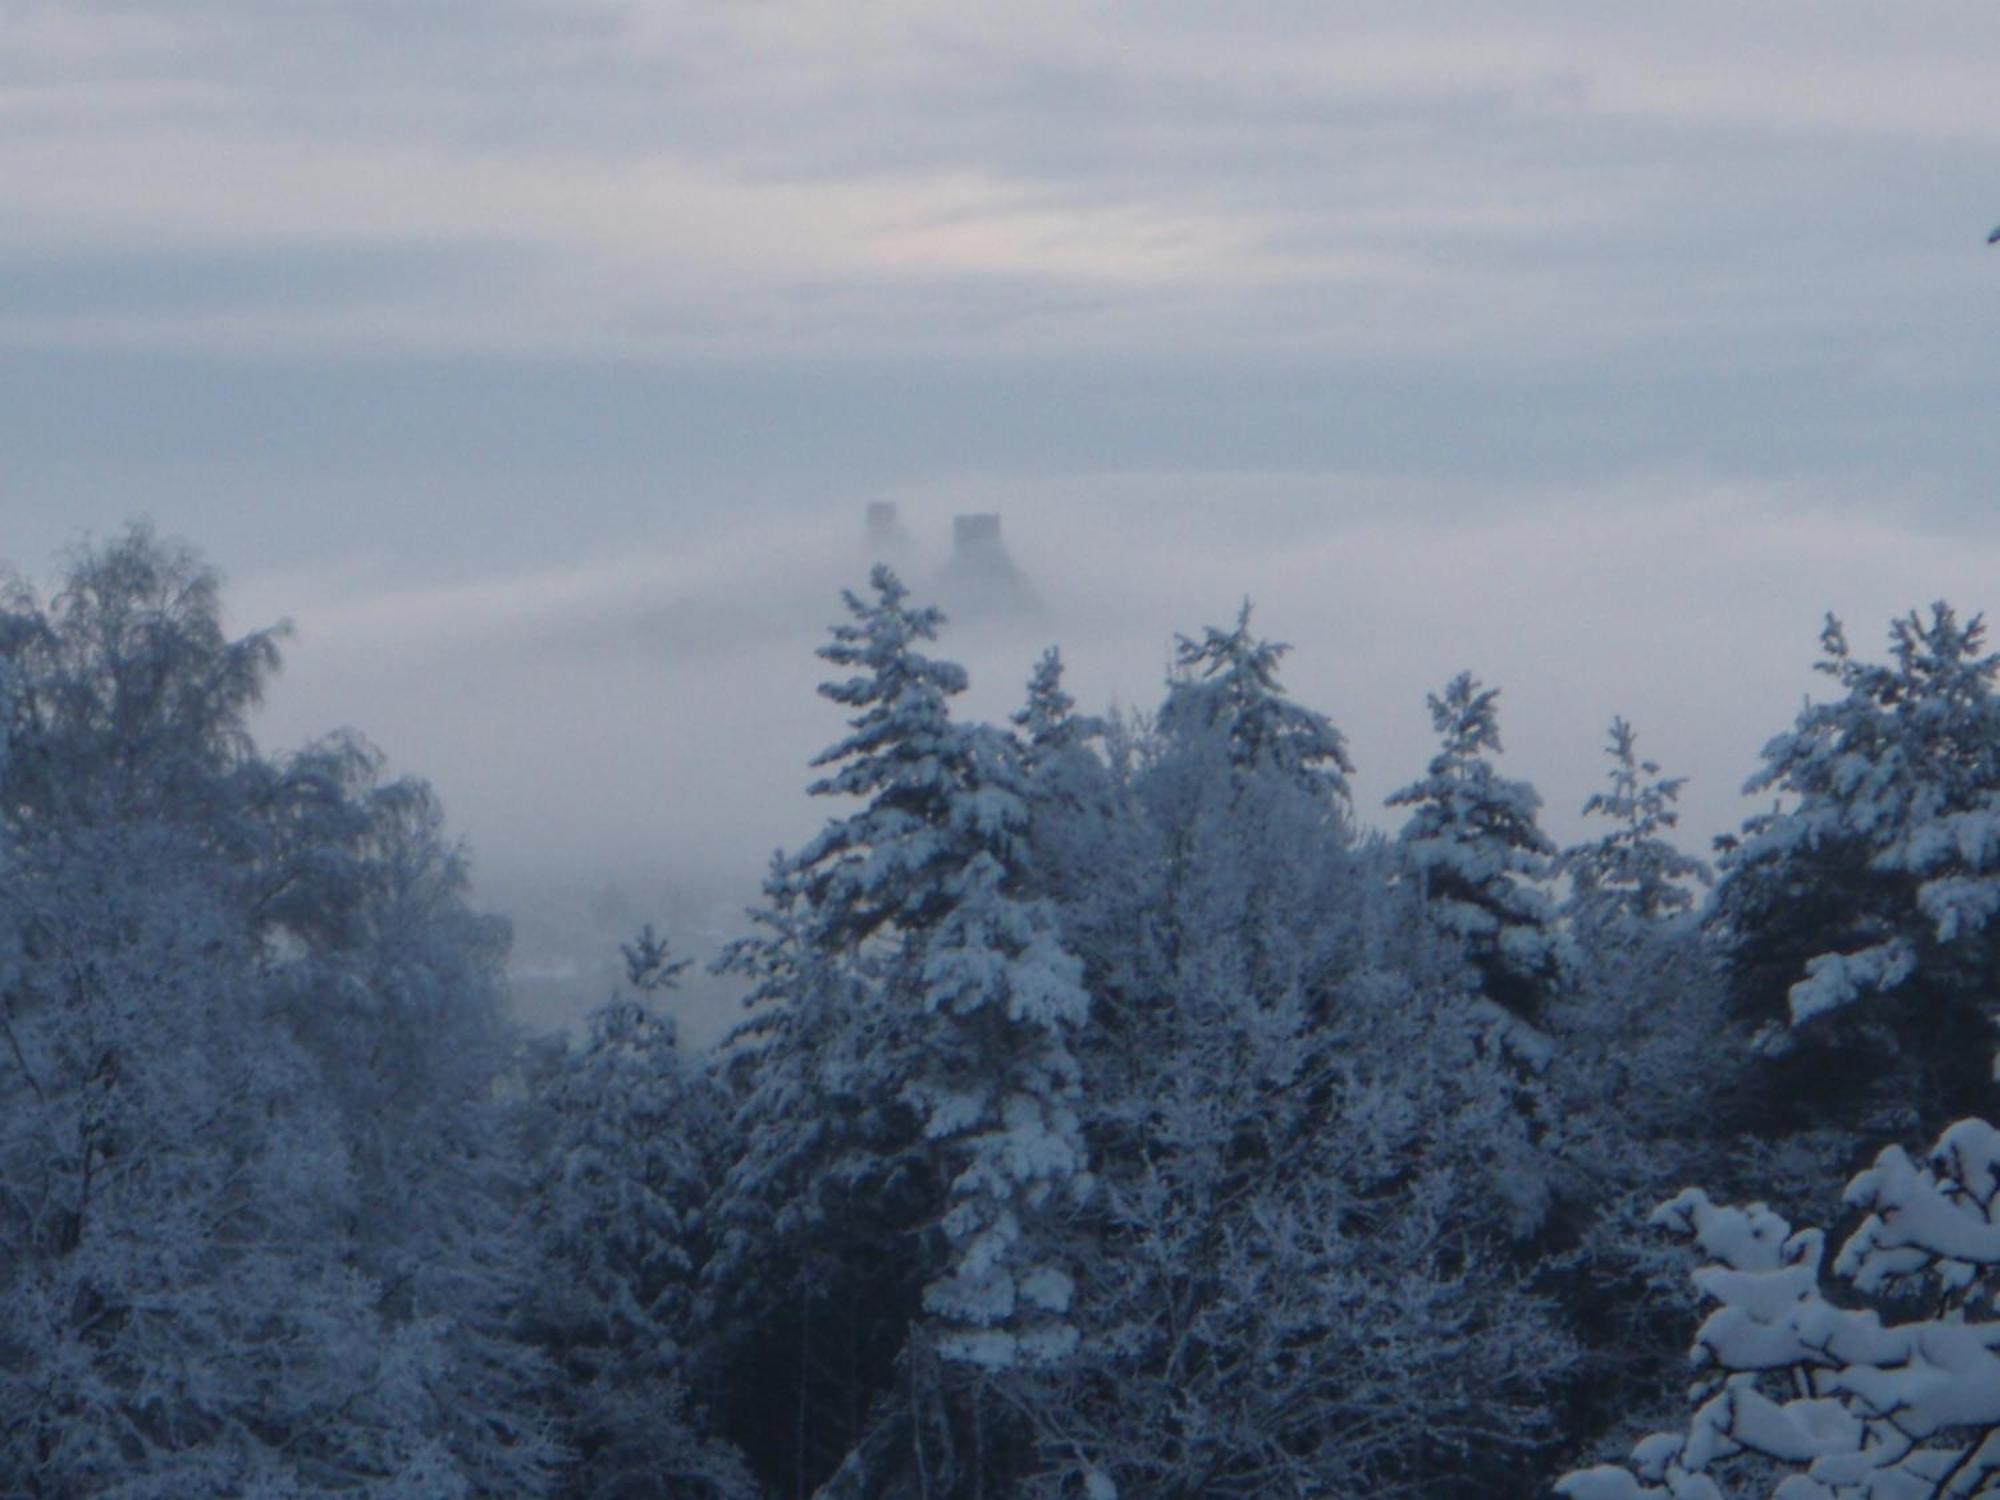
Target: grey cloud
[(1486, 196), (102, 282)]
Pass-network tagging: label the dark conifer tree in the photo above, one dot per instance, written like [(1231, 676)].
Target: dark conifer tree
[(1857, 916), (1479, 856), (922, 991), (1634, 870)]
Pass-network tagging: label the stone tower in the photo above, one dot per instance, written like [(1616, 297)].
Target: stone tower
[(980, 578), (884, 538)]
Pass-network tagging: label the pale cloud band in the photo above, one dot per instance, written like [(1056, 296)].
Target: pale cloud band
[(659, 180)]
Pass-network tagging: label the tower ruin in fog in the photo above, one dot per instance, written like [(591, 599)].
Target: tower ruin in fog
[(885, 538), (980, 578), (975, 534)]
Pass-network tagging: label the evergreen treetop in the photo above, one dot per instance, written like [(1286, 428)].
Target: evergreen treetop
[(1473, 841), (1227, 683), (1870, 889), (1634, 870)]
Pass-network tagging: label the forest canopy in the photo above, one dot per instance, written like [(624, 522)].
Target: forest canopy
[(1113, 1112)]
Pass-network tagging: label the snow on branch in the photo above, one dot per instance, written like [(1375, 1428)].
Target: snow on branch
[(1846, 1402)]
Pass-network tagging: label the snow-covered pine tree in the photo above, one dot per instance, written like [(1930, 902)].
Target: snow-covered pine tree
[(815, 1271), (932, 868), (1634, 870), (1638, 1017), (927, 983), (1637, 1023), (1633, 1087), (997, 1084), (1227, 683), (616, 1191), (1858, 915), (1473, 843), (1243, 858), (1279, 1142), (1081, 824), (1048, 721)]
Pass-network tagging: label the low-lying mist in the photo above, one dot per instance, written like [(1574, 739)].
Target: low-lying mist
[(625, 738)]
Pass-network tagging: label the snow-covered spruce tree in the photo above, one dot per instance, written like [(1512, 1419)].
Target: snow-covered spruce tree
[(1095, 854), (1221, 872), (1857, 916), (920, 965), (1227, 683), (1071, 792), (1474, 846), (1634, 870), (1247, 792), (1891, 1391), (1048, 721), (815, 1273), (932, 867), (616, 1200), (1631, 1091), (1638, 1019)]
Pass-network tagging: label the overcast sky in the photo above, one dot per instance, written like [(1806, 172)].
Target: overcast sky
[(538, 357)]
